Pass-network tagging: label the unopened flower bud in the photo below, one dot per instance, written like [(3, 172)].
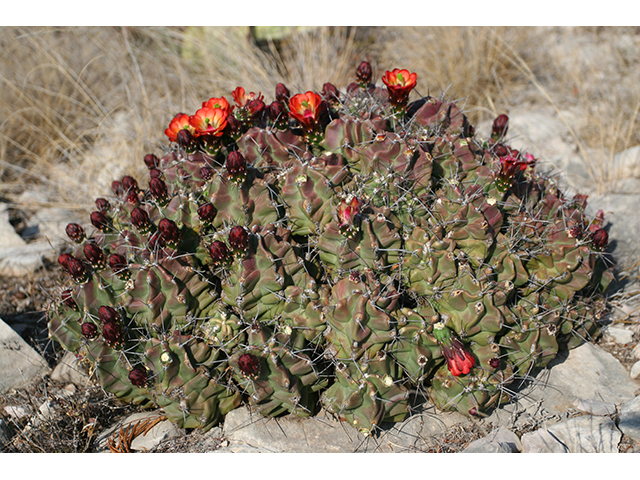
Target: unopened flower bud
[(89, 330), (206, 173), (499, 127), (330, 92), (151, 161), (185, 139), (282, 93), (169, 231), (117, 187), (219, 252), (255, 109), (600, 239), (140, 219), (112, 333), (249, 364), (138, 376), (94, 255), (67, 298), (102, 204), (236, 166), (108, 314), (158, 189), (239, 239), (75, 232), (99, 220), (363, 74), (207, 212), (118, 264)]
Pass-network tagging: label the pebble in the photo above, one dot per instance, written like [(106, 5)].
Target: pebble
[(595, 407), (70, 370), (620, 335), (635, 371), (501, 440)]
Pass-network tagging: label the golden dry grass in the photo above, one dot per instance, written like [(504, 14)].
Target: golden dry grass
[(80, 106)]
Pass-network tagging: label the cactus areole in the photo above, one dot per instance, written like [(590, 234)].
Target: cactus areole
[(345, 251)]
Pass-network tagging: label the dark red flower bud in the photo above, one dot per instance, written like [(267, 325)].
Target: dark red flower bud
[(499, 127), (151, 161), (156, 242), (249, 364), (207, 212), (255, 108), (140, 219), (102, 204), (129, 184), (600, 239), (132, 197), (89, 330), (73, 266), (494, 362), (138, 376), (112, 333), (233, 128), (169, 231), (64, 260), (68, 300), (94, 254), (99, 220), (576, 231), (278, 114), (219, 252), (330, 92), (282, 93), (158, 189), (117, 187), (155, 173), (108, 314), (236, 166), (118, 264), (75, 232), (352, 88), (239, 239), (206, 173), (185, 139), (363, 74)]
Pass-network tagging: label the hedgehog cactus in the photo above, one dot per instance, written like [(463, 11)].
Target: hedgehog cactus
[(344, 250)]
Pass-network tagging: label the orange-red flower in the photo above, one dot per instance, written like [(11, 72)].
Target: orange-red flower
[(221, 103), (179, 122), (241, 98), (305, 108), (349, 216), (399, 84), (209, 121), (459, 360)]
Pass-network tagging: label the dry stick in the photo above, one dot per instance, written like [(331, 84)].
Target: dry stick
[(522, 65)]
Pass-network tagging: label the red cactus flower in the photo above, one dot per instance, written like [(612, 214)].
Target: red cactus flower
[(364, 73), (207, 212), (220, 103), (499, 127), (241, 98), (75, 232), (179, 122), (305, 108), (89, 330), (209, 121), (510, 165), (239, 239), (138, 376), (219, 252), (112, 333), (399, 84), (459, 360), (249, 364), (94, 254), (108, 314), (99, 220)]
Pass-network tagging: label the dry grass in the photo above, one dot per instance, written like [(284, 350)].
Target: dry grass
[(80, 106)]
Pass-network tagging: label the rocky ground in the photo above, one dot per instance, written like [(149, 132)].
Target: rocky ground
[(586, 401)]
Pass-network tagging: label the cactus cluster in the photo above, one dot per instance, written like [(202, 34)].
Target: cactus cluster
[(343, 249)]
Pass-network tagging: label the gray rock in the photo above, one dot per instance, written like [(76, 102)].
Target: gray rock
[(588, 373), (635, 371), (620, 335), (630, 419), (542, 441), (588, 434), (501, 440), (69, 370), (595, 407), (20, 364)]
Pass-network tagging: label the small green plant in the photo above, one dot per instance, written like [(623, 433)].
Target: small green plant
[(343, 250)]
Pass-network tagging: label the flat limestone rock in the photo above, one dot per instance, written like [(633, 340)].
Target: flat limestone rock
[(588, 434), (542, 441), (630, 419), (20, 364), (501, 440)]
